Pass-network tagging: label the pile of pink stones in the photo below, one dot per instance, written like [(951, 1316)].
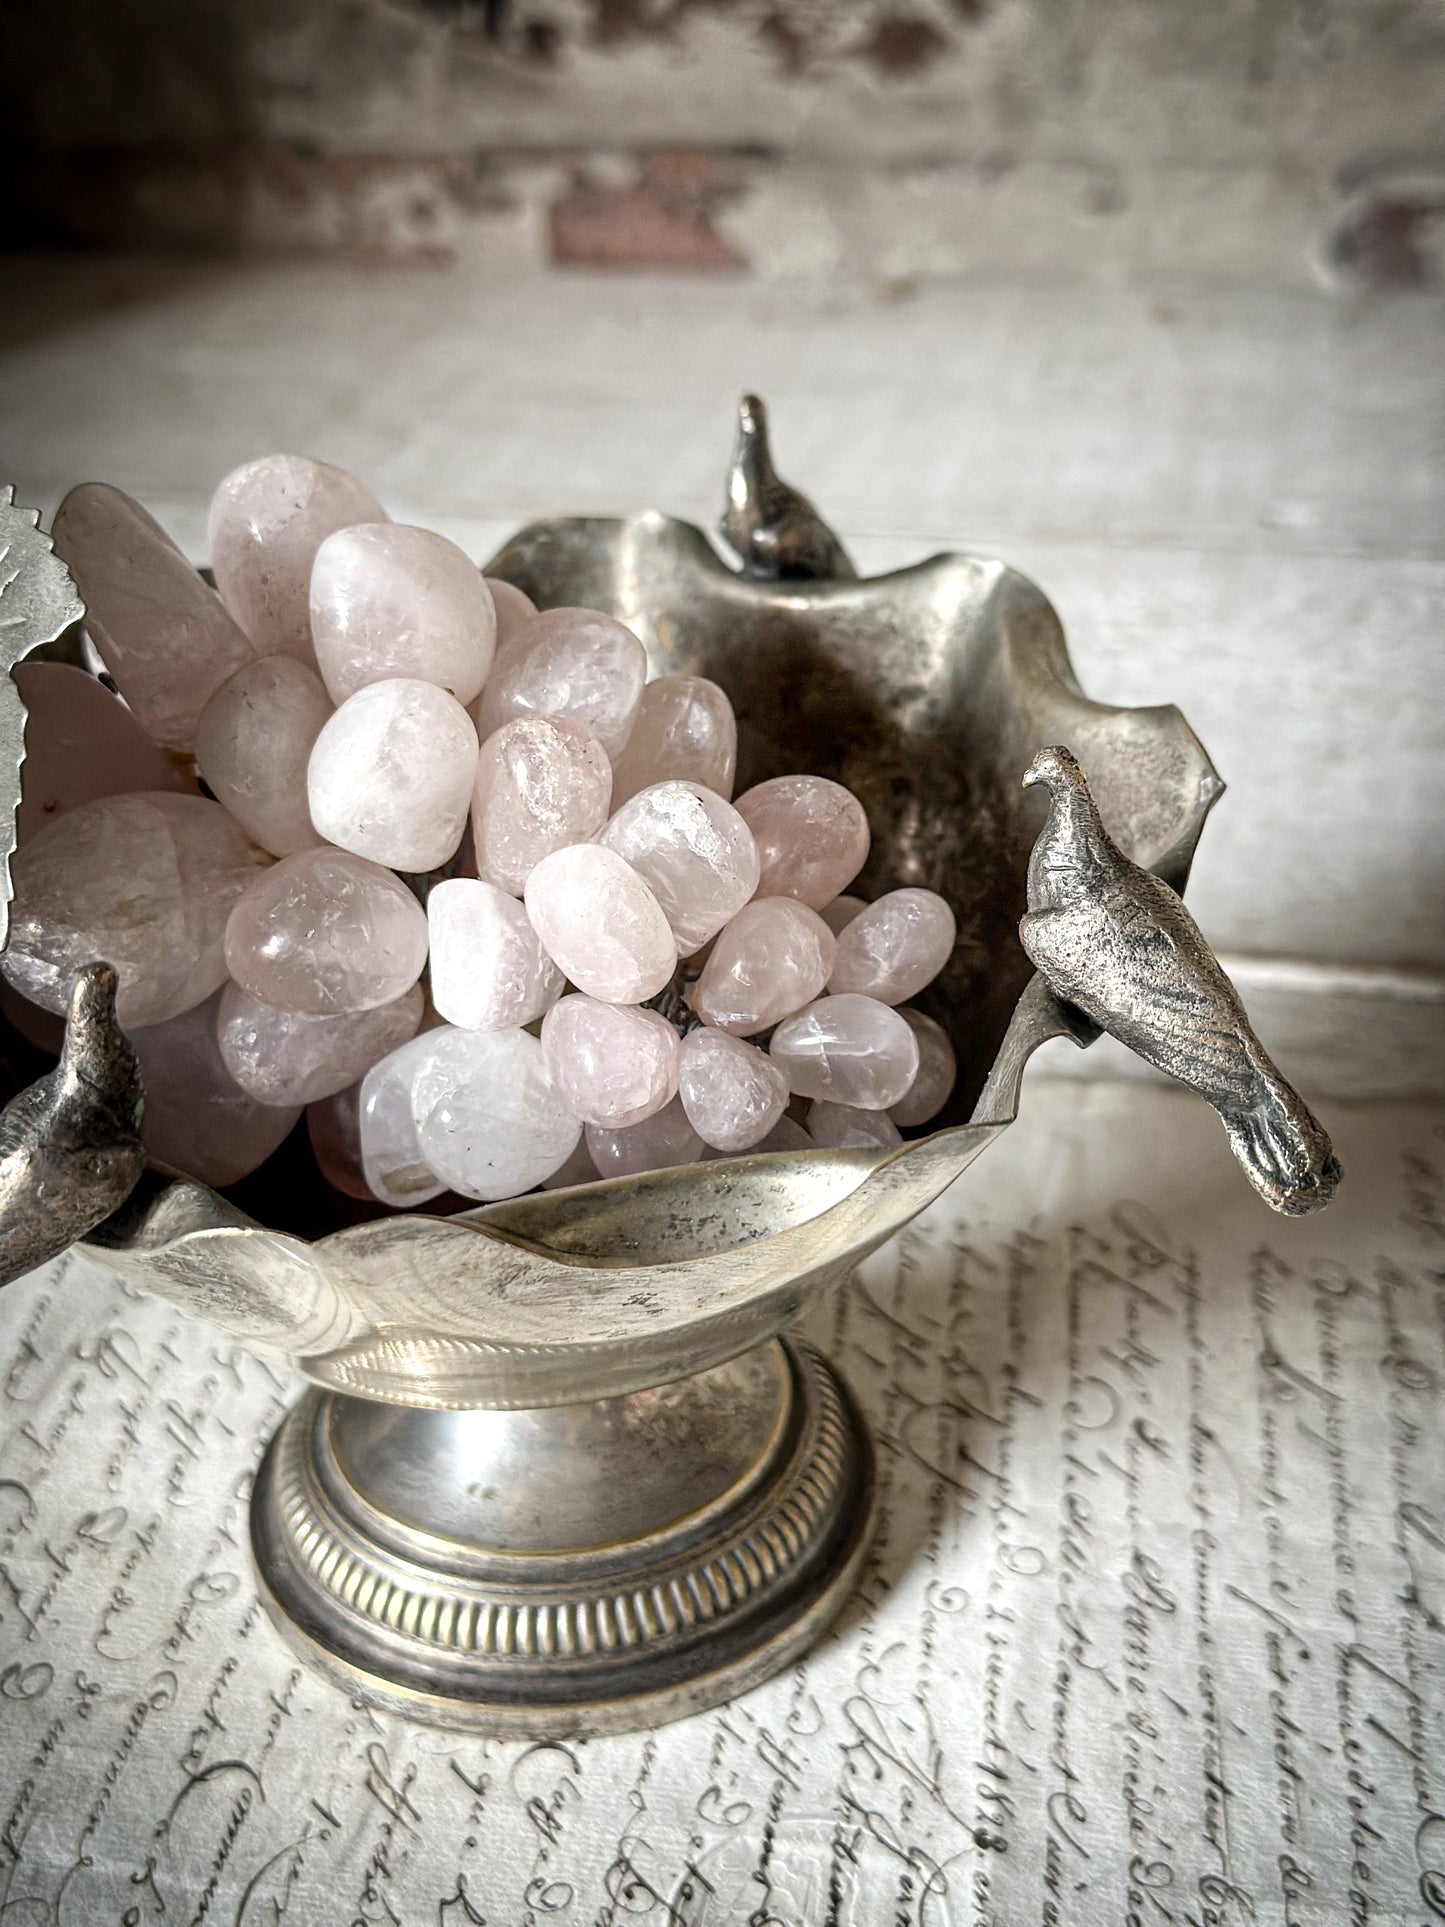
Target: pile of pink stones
[(361, 762)]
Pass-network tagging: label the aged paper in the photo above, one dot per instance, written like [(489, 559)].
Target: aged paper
[(1153, 1630)]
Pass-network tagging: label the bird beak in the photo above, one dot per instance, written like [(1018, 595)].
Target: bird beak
[(1033, 774)]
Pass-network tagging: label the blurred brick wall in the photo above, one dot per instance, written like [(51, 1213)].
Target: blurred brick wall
[(893, 140)]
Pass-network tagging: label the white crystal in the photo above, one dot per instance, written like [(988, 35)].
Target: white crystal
[(488, 969), (253, 744), (773, 958), (601, 924), (693, 851), (396, 1173), (659, 1142), (390, 600), (490, 1122), (391, 774)]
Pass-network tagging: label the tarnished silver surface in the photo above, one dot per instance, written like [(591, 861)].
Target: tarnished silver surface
[(69, 1145), (580, 1569), (1117, 942), (926, 692)]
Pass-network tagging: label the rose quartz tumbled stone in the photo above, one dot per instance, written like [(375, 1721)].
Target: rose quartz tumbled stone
[(324, 932), (390, 600), (488, 968), (658, 1143), (614, 1063), (843, 1127), (333, 1125), (197, 1118), (786, 1135), (569, 662), (163, 634), (284, 1057), (82, 742), (579, 1169), (391, 774), (937, 1070), (543, 782), (694, 852), (840, 913), (773, 958), (850, 1049), (253, 744), (812, 837), (602, 926), (268, 518), (392, 1164), (895, 946), (685, 731), (732, 1092), (145, 882), (490, 1122), (513, 611)]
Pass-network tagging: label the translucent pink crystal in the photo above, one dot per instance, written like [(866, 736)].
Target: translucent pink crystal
[(391, 774), (693, 851), (488, 969), (732, 1092), (685, 730), (569, 662), (600, 924), (145, 882), (937, 1069), (513, 611), (773, 958), (542, 783), (895, 946), (490, 1121), (325, 931), (165, 637), (392, 1164), (82, 742), (253, 744), (843, 1127), (840, 913), (850, 1049), (197, 1118), (284, 1057), (334, 1126), (390, 600), (812, 836), (579, 1169), (658, 1143), (613, 1063), (268, 519), (786, 1135)]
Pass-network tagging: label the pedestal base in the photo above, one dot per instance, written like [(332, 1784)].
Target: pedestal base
[(568, 1569)]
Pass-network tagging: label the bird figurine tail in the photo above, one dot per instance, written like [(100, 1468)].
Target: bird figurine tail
[(1284, 1149)]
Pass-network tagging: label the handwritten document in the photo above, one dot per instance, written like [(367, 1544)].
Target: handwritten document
[(1153, 1629)]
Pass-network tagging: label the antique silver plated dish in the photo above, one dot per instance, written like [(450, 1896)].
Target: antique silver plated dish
[(559, 1468)]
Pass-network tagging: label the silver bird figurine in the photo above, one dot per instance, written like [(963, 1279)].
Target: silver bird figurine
[(775, 529), (1114, 940), (70, 1150)]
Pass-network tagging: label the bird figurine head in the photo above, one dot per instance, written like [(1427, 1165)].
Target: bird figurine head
[(1057, 768)]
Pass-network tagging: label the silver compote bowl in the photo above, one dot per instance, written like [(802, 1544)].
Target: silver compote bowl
[(558, 1469)]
